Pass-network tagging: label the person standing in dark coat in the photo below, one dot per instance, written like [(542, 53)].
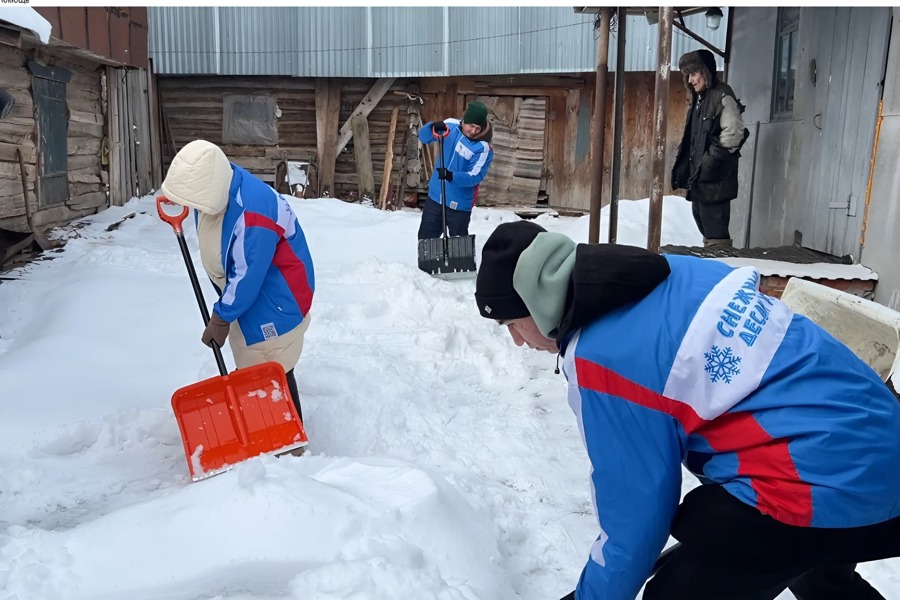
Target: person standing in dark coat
[(706, 164)]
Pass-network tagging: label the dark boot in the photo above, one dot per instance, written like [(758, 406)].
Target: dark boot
[(295, 398), (295, 395)]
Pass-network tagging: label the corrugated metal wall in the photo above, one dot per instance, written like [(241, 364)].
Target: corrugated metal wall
[(396, 42), (406, 42)]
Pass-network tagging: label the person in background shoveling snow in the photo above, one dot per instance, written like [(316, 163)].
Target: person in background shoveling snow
[(255, 253), (467, 157), (677, 360)]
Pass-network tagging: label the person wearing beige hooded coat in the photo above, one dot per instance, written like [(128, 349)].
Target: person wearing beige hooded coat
[(255, 253)]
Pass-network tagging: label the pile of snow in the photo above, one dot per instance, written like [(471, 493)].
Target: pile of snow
[(443, 463)]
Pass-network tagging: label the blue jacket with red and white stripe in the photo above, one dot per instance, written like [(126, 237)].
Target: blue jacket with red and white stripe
[(269, 277), (469, 161), (708, 372)]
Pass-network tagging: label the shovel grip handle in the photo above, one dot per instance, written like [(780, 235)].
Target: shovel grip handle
[(174, 220)]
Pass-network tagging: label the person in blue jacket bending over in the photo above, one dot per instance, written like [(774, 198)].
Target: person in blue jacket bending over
[(467, 157), (255, 253), (678, 361)]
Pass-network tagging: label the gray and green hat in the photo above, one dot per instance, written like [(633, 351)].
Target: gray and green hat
[(525, 270), (494, 292)]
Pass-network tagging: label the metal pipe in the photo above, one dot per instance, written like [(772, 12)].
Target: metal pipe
[(698, 38), (621, 18), (599, 118), (660, 123), (752, 182), (728, 38)]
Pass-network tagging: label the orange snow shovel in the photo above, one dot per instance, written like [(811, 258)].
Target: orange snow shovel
[(227, 419)]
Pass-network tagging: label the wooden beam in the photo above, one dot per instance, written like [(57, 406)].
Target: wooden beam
[(370, 101), (363, 154), (328, 107), (427, 161), (388, 159), (10, 37), (167, 130), (155, 135), (598, 135), (452, 103), (524, 91), (660, 127), (112, 118), (24, 175)]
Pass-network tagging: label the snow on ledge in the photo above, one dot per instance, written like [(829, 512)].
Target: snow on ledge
[(769, 268), (27, 18)]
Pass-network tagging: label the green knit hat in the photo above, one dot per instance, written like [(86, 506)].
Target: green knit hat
[(542, 279), (476, 114)]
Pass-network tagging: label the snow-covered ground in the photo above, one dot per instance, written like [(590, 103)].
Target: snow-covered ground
[(443, 464)]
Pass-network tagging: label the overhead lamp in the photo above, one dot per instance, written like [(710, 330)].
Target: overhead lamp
[(714, 18)]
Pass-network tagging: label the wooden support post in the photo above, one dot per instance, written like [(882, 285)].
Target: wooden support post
[(370, 101), (454, 103), (388, 160), (660, 124), (155, 135), (410, 148), (40, 238), (116, 185), (328, 107), (362, 151), (427, 162), (599, 133)]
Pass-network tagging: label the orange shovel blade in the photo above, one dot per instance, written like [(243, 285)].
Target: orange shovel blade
[(227, 419)]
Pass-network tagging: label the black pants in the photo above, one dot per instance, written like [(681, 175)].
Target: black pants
[(295, 394), (432, 223), (729, 550), (712, 219)]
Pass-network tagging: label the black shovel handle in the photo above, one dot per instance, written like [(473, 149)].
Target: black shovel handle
[(175, 221), (445, 233)]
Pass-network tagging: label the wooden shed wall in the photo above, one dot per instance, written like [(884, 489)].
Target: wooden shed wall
[(86, 179), (551, 161), (566, 136), (193, 108)]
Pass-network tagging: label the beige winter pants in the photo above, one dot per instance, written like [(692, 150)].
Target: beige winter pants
[(284, 349)]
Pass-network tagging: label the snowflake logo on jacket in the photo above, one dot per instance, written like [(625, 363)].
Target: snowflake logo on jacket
[(721, 364)]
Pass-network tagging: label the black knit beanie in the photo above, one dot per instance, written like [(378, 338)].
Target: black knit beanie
[(494, 292), (476, 114)]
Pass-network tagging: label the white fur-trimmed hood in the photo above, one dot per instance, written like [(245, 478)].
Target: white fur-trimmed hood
[(199, 177)]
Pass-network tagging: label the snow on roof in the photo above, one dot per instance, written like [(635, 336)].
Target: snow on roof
[(769, 268), (27, 18)]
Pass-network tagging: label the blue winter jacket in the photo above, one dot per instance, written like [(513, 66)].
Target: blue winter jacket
[(708, 372), (268, 268), (468, 160)]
